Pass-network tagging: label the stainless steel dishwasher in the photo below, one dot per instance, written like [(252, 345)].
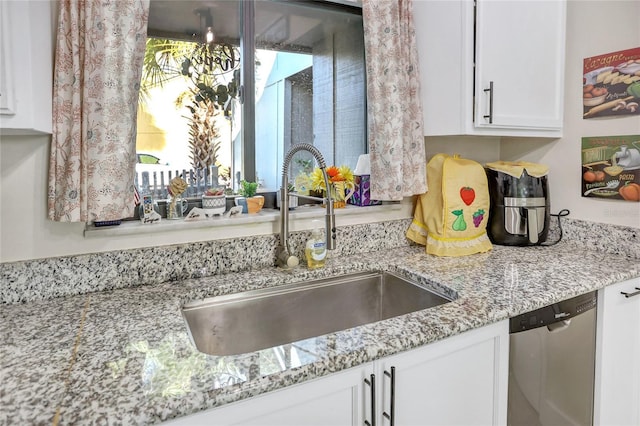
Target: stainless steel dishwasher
[(552, 364)]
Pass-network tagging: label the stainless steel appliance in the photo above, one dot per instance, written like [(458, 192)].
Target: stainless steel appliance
[(519, 210), (552, 364)]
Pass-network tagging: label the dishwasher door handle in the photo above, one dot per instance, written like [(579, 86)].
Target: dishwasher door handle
[(628, 295), (559, 326)]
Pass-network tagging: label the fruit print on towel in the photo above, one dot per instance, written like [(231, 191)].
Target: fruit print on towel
[(478, 215), (459, 224), (467, 194)]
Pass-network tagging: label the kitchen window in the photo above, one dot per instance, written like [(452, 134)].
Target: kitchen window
[(280, 73)]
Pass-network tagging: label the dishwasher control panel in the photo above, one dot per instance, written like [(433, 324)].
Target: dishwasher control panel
[(557, 312)]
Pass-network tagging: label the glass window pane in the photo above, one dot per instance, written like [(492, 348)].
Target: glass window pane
[(309, 87), (310, 84), (189, 115)]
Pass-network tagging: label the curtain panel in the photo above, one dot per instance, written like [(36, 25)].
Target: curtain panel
[(98, 63), (394, 108)]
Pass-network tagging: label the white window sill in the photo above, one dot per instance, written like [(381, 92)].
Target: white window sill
[(299, 219)]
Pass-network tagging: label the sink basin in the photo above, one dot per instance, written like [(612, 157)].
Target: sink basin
[(260, 319)]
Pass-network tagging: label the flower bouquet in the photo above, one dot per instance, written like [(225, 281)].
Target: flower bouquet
[(341, 183)]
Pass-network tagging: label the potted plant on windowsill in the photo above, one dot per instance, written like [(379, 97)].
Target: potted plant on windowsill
[(214, 201), (249, 198)]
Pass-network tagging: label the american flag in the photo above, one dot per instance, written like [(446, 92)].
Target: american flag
[(136, 196)]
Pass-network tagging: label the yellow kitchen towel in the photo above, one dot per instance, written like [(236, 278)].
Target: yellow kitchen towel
[(451, 218), (516, 168)]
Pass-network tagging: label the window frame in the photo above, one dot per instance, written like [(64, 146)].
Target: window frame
[(247, 95)]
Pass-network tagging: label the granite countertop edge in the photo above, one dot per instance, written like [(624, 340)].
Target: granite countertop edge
[(111, 328)]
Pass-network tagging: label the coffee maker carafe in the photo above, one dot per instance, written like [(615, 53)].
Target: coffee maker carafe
[(519, 197)]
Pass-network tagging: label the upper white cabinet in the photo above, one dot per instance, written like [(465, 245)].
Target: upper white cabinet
[(26, 67), (617, 385), (493, 68)]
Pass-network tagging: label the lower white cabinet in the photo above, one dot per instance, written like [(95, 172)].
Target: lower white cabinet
[(332, 400), (617, 384), (461, 380)]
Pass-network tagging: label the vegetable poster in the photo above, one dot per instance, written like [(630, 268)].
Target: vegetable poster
[(611, 167), (611, 84)]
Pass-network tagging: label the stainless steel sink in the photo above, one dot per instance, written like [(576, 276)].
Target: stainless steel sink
[(260, 319)]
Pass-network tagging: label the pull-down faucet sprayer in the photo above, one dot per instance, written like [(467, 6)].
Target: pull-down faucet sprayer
[(284, 258)]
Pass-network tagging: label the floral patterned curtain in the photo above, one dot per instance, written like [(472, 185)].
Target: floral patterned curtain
[(394, 109), (98, 63)]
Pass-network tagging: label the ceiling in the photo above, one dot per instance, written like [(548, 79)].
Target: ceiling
[(300, 24), (182, 18)]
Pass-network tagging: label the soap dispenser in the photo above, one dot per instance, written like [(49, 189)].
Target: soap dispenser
[(316, 248)]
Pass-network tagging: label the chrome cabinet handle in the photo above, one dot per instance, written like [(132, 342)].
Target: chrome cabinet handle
[(372, 385), (635, 293), (392, 408), (490, 90)]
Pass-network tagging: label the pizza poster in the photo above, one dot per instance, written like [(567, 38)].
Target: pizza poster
[(611, 167), (611, 84)]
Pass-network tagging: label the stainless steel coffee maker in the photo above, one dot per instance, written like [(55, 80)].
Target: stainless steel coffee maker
[(519, 209)]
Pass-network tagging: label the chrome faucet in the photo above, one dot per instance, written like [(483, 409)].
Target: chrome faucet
[(284, 258)]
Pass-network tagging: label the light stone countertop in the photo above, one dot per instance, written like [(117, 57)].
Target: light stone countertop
[(125, 357)]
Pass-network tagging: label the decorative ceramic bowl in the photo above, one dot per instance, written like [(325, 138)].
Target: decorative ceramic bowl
[(214, 204)]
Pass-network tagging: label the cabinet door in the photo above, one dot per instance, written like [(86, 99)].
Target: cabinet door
[(338, 399), (444, 38), (517, 45), (26, 67), (617, 386), (520, 48), (7, 106), (461, 380)]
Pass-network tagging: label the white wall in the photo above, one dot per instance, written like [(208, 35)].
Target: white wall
[(483, 149), (594, 27)]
